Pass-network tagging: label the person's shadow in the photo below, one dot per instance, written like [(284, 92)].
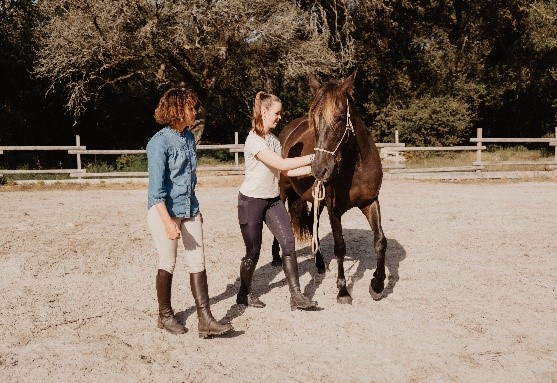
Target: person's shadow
[(359, 249)]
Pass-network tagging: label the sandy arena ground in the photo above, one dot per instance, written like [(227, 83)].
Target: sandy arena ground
[(471, 295)]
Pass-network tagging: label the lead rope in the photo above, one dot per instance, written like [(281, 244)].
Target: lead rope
[(318, 194)]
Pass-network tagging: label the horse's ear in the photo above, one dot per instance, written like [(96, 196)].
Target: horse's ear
[(313, 82), (348, 84)]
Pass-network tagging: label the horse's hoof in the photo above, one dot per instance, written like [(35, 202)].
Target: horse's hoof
[(344, 299), (276, 263), (374, 294)]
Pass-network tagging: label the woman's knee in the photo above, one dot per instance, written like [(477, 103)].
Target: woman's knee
[(167, 266), (289, 247), (253, 255)]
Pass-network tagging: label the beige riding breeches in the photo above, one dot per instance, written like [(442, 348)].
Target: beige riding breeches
[(191, 236)]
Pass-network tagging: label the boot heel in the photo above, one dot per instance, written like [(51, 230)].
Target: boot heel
[(300, 301)]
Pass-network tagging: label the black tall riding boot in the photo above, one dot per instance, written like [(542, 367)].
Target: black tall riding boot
[(245, 295), (297, 299), (207, 324), (166, 319)]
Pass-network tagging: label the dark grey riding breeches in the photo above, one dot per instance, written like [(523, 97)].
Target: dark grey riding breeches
[(252, 212)]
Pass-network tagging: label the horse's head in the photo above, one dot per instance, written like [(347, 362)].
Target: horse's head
[(329, 117)]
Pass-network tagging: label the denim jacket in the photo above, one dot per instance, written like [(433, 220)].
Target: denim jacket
[(172, 163)]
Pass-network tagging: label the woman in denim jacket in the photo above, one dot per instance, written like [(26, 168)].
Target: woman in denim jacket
[(258, 201), (173, 209)]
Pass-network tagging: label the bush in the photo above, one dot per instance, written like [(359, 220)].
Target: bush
[(132, 163), (429, 121)]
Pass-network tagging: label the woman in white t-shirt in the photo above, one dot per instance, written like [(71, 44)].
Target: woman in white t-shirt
[(258, 201)]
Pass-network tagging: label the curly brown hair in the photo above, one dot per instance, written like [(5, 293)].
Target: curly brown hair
[(173, 104)]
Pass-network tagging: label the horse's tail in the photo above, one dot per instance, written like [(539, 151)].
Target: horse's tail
[(301, 217)]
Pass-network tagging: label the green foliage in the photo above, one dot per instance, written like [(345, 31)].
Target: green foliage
[(432, 70), (132, 163), (429, 121), (542, 25), (206, 157), (99, 167), (138, 162)]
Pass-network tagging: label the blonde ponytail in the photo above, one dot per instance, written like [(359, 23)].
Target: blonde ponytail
[(262, 100)]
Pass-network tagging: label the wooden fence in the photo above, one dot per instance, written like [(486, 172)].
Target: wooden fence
[(395, 166), (479, 164)]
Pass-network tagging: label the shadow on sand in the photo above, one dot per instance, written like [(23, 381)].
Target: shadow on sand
[(359, 250)]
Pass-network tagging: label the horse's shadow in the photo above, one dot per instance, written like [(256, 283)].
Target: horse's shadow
[(359, 248)]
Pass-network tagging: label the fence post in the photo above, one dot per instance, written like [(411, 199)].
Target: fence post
[(78, 156), (397, 155), (479, 143), (236, 153)]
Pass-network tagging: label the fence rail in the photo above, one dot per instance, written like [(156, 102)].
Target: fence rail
[(395, 148)]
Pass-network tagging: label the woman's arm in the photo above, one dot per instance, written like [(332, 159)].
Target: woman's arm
[(298, 172), (156, 164), (172, 230), (270, 158)]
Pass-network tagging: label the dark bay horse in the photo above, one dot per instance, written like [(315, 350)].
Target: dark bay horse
[(348, 166)]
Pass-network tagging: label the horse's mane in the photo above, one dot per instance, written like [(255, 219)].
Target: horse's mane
[(323, 106)]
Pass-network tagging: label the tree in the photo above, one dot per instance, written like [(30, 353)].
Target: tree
[(479, 54), (17, 19), (542, 28), (223, 49), (27, 117)]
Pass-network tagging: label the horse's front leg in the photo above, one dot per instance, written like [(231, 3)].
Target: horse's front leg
[(373, 215), (340, 251)]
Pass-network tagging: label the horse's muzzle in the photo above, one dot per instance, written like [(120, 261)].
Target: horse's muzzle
[(323, 167)]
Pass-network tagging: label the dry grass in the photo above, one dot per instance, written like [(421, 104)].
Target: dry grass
[(419, 160)]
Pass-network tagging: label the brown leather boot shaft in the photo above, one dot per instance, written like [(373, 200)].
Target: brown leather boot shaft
[(297, 299), (208, 326), (166, 319)]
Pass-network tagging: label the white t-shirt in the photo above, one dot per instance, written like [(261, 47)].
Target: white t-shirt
[(261, 181)]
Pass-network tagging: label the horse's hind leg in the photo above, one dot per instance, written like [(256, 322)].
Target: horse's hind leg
[(373, 215)]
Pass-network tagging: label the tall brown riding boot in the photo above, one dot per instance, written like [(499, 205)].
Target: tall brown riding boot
[(207, 324), (245, 295), (297, 299), (166, 319)]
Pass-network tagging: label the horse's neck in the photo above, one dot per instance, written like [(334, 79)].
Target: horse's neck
[(362, 138)]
